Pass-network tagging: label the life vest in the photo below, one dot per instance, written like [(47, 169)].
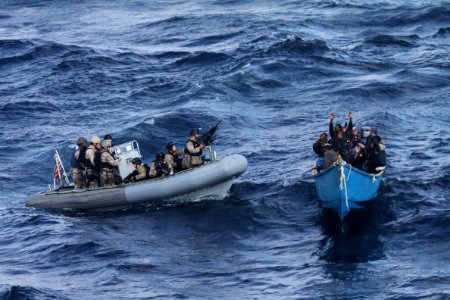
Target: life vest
[(195, 144), (87, 162), (79, 163), (147, 171), (98, 161), (161, 168)]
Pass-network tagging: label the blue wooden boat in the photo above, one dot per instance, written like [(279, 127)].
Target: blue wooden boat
[(343, 188)]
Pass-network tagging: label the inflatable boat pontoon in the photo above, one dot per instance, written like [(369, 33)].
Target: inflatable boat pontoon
[(212, 180)]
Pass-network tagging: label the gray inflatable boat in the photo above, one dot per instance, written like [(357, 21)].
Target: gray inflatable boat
[(212, 180)]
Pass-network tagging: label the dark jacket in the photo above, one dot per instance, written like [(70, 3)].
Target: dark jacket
[(357, 159), (318, 148), (376, 154), (329, 158)]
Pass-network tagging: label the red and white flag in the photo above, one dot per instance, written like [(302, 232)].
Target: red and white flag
[(59, 174), (58, 170)]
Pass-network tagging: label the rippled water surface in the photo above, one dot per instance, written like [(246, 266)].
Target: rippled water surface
[(272, 71)]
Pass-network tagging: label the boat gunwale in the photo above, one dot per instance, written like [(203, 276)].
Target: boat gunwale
[(124, 185), (350, 167)]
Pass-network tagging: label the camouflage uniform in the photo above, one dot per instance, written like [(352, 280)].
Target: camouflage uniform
[(92, 175), (158, 169), (194, 155), (171, 161), (142, 173), (79, 180), (108, 163), (78, 174)]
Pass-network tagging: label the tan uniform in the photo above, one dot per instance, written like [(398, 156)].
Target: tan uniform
[(192, 160), (90, 154), (79, 180), (172, 164), (154, 172), (106, 173), (92, 175), (142, 173)]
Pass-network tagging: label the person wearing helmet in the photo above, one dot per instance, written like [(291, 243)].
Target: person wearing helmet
[(108, 137), (92, 167), (172, 158), (159, 167), (142, 169), (193, 150), (107, 163), (140, 172), (77, 164)]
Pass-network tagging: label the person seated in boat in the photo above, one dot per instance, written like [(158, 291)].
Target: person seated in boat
[(159, 167), (77, 164), (381, 152), (140, 173), (318, 145), (318, 149), (329, 157), (355, 137), (358, 156), (91, 167), (107, 164), (376, 153), (193, 151), (172, 158), (342, 145)]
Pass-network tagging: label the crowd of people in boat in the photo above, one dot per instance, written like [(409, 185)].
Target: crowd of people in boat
[(95, 165), (362, 148)]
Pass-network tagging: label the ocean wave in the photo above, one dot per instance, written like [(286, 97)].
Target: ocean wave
[(388, 40), (442, 32), (422, 14), (172, 54), (28, 106), (6, 45), (86, 62), (298, 45), (28, 292), (170, 20), (213, 39), (203, 58), (372, 91), (33, 50)]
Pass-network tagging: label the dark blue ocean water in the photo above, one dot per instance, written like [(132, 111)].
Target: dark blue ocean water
[(272, 71)]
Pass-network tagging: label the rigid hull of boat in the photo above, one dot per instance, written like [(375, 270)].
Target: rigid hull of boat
[(343, 188), (211, 180)]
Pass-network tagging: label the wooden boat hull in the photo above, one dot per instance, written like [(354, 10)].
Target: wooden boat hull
[(343, 188)]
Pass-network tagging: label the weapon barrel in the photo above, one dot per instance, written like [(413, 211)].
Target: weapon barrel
[(207, 136)]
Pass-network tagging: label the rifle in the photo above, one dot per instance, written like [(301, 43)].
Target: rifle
[(130, 176), (208, 137)]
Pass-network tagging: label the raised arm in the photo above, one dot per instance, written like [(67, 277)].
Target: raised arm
[(331, 127), (350, 122)]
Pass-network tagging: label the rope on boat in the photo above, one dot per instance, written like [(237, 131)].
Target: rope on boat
[(344, 183), (349, 172)]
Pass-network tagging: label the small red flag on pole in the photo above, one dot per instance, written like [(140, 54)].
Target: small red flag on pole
[(59, 172)]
